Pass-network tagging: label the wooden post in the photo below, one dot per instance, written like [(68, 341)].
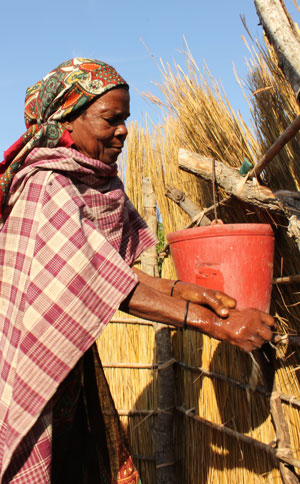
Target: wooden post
[(288, 474), (149, 257), (164, 442), (281, 34)]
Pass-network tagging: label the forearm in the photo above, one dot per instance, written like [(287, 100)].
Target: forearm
[(157, 283), (248, 328), (215, 300), (148, 303)]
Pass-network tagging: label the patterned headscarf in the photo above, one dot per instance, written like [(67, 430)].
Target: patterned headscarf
[(65, 90)]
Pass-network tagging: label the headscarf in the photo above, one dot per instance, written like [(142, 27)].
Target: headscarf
[(65, 90)]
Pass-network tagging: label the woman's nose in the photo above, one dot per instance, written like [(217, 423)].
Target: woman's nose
[(121, 130)]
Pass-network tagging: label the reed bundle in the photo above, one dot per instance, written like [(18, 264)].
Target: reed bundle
[(198, 116), (134, 389)]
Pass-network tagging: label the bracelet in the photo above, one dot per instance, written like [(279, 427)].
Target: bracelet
[(173, 285), (185, 314)]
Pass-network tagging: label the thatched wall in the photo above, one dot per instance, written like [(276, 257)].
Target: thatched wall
[(212, 378)]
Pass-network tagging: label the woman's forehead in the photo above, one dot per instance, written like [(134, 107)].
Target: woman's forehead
[(117, 100)]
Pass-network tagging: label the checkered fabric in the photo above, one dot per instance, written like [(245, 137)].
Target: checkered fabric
[(66, 248)]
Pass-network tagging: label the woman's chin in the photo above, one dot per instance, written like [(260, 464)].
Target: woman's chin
[(111, 157)]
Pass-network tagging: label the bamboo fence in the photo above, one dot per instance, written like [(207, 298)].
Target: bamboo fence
[(224, 430)]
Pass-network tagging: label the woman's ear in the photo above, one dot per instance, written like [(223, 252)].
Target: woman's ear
[(68, 125)]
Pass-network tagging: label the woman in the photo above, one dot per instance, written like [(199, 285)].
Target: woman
[(69, 237)]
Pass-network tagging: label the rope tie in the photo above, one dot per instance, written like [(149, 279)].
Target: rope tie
[(166, 364)]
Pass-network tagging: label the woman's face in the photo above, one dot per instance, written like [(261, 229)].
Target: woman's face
[(100, 131)]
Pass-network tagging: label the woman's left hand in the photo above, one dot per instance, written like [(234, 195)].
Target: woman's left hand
[(218, 301)]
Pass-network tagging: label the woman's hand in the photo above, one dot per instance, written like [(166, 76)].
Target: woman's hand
[(218, 301), (246, 328)]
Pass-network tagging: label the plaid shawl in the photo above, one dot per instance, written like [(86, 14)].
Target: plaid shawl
[(69, 238)]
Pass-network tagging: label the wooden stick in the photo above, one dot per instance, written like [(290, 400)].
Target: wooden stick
[(142, 322), (186, 204), (286, 279), (243, 386), (194, 211), (133, 413), (137, 366), (275, 453), (206, 211), (245, 190), (283, 437), (229, 179), (283, 139), (287, 339)]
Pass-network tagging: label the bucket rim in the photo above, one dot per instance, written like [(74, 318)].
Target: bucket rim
[(222, 230)]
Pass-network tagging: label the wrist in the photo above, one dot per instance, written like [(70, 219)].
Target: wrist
[(174, 288), (201, 319)]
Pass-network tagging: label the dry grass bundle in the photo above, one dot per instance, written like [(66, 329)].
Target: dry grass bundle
[(198, 116), (204, 116), (273, 107)]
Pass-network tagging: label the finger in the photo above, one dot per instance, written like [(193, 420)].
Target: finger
[(209, 298), (227, 301), (265, 333), (253, 344), (264, 317), (257, 341), (217, 307), (246, 346), (268, 319), (221, 303)]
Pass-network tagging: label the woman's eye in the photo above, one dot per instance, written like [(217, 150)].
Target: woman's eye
[(113, 121)]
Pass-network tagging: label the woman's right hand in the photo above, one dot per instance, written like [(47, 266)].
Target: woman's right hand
[(246, 328)]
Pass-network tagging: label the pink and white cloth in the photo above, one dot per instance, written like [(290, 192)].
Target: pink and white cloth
[(69, 238)]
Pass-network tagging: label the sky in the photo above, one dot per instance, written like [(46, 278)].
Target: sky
[(132, 36)]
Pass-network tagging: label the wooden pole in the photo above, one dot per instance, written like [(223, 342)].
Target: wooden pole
[(286, 279), (186, 204), (282, 35), (275, 453), (164, 442), (229, 179), (283, 440), (283, 139)]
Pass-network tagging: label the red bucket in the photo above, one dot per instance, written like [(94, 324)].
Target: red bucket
[(234, 258)]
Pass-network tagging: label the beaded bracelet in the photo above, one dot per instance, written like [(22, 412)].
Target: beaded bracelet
[(185, 314), (173, 285)]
